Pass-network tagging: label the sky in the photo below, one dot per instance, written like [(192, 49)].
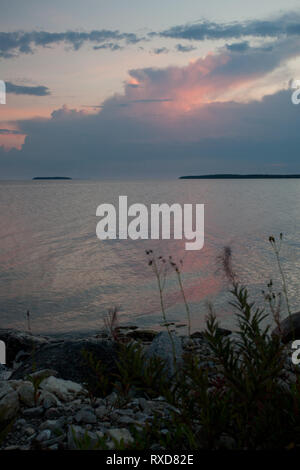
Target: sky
[(136, 89)]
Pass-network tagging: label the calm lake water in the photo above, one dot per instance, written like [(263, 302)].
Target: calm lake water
[(52, 263)]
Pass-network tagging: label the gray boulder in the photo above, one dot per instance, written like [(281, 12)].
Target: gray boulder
[(162, 347), (86, 416), (26, 394), (9, 405), (289, 328), (63, 389)]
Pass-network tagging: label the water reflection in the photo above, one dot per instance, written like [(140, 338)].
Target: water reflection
[(53, 264)]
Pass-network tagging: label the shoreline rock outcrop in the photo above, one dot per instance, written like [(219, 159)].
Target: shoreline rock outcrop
[(289, 328), (47, 405)]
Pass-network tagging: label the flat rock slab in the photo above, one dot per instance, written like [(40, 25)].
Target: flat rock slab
[(142, 335), (68, 360), (17, 341)]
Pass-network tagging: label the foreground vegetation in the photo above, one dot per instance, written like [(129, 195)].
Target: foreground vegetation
[(252, 402), (246, 396)]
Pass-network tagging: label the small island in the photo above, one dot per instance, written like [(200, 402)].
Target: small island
[(51, 178), (236, 176)]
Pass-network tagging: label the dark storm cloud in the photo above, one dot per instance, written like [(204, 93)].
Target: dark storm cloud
[(235, 137), (27, 90), (17, 42), (287, 25)]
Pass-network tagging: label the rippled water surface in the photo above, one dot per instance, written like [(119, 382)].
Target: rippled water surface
[(52, 263)]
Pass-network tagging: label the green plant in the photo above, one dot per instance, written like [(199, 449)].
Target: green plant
[(274, 301), (85, 442), (111, 323), (36, 381), (178, 274), (159, 267), (252, 365), (98, 379), (146, 375), (28, 322), (246, 397), (242, 395), (276, 248)]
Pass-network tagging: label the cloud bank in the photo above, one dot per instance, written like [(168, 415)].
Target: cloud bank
[(27, 90), (285, 25), (20, 42), (173, 120)]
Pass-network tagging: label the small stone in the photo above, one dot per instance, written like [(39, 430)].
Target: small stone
[(126, 420), (53, 447), (100, 401), (127, 412), (76, 434), (101, 411), (44, 435), (141, 416), (120, 434), (63, 389), (85, 416), (52, 413), (35, 412), (20, 422), (164, 431), (76, 402), (144, 404), (29, 431), (26, 394), (112, 398), (48, 400), (56, 426)]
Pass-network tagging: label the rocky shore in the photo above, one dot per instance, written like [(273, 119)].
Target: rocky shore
[(47, 405)]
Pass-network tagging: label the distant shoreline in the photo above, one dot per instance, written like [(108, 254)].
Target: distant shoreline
[(235, 176), (51, 178)]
